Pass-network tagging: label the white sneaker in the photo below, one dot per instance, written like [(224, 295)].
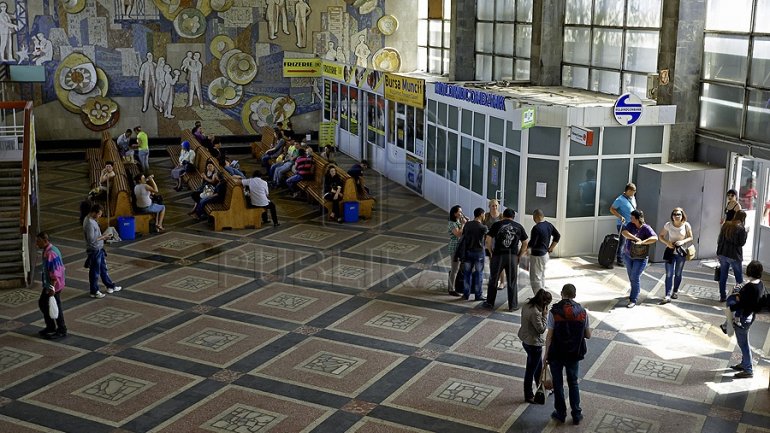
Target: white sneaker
[(97, 295), (631, 305), (114, 289)]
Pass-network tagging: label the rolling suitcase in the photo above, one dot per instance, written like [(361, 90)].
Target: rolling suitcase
[(608, 251)]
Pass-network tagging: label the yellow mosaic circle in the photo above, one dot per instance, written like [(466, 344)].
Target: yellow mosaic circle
[(71, 100), (257, 112), (241, 68), (220, 45)]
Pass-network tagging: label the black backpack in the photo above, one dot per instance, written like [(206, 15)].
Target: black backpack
[(763, 304)]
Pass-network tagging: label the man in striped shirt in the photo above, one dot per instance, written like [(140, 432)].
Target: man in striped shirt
[(53, 283)]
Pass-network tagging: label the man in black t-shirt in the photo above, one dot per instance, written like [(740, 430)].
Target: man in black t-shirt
[(506, 242), (473, 260)]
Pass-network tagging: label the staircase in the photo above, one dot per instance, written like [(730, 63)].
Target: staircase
[(11, 261)]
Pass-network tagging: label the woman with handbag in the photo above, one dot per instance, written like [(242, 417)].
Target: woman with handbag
[(210, 180), (732, 238), (455, 228), (675, 234), (639, 236), (532, 336), (186, 163)]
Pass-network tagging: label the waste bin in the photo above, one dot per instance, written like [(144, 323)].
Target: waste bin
[(126, 228), (350, 211)]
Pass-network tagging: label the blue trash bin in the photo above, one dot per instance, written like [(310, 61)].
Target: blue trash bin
[(126, 228), (350, 211)]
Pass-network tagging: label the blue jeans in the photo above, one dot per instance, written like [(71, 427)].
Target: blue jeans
[(621, 243), (559, 404), (742, 336), (724, 264), (674, 274), (97, 267), (634, 268), (474, 260), (534, 368), (144, 160), (280, 171)]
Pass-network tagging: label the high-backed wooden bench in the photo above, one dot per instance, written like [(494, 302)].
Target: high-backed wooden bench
[(268, 139)]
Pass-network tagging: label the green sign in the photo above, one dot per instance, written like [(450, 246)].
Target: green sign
[(527, 118)]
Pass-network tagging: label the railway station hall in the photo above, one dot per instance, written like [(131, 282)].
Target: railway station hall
[(384, 216)]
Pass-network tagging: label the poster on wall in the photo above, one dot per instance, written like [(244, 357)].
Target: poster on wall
[(327, 99), (327, 134), (414, 173), (354, 111), (344, 107)]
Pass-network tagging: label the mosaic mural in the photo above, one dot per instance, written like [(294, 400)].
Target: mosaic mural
[(185, 60)]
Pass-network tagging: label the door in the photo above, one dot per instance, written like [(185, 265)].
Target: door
[(744, 179)]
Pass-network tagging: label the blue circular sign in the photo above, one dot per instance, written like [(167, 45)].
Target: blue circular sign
[(627, 109)]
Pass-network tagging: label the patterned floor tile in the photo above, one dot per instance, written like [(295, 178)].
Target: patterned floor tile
[(237, 409), (431, 286), (392, 247), (330, 366), (211, 340), (396, 322), (258, 258), (425, 226), (22, 356), (346, 272), (291, 303), (112, 391), (374, 425), (306, 235), (176, 244), (20, 302), (8, 424), (495, 341), (112, 317), (190, 284)]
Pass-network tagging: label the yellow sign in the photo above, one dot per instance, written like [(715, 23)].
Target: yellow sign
[(295, 68), (333, 70), (405, 90), (327, 134)]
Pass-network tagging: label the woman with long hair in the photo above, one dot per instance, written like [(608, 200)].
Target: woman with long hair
[(533, 326), (731, 207), (732, 238), (455, 228), (639, 236), (675, 234)]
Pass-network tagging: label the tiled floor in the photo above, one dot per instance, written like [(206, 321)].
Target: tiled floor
[(322, 327)]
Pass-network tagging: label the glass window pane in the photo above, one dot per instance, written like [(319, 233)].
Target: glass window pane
[(544, 141), (447, 9), (758, 116), (607, 48), (422, 9), (466, 153), (523, 40), (640, 161), (484, 37), (479, 125), (605, 81), (441, 152), (511, 181), (649, 139), (576, 50), (451, 156), (614, 178), (574, 76), (725, 58), (422, 32), (434, 60), (485, 10), (442, 111), (522, 70), (616, 141), (524, 11), (494, 173), (608, 12), (504, 39), (422, 59), (635, 83), (453, 120), (641, 51), (729, 15), (483, 67), (503, 68), (434, 33), (643, 13), (496, 130), (547, 172), (721, 108), (578, 12), (504, 10), (430, 149), (447, 34), (760, 62), (762, 20), (410, 130), (577, 149), (477, 180), (445, 62), (467, 122), (512, 138), (581, 188)]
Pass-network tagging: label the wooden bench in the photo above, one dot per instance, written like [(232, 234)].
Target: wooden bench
[(233, 212), (268, 139)]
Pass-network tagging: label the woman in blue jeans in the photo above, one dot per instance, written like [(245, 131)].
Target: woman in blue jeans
[(675, 235), (532, 336), (732, 238), (745, 311), (639, 236)]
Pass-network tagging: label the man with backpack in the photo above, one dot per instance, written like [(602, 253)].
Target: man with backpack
[(506, 243)]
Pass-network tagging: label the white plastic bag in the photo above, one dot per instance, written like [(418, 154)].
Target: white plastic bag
[(53, 309)]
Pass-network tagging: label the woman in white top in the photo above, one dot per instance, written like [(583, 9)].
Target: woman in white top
[(143, 190), (186, 163), (675, 235)]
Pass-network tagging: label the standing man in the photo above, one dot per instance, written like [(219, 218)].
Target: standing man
[(259, 196), (97, 257), (473, 261), (565, 346), (147, 80), (543, 241), (53, 283), (143, 143), (621, 208), (505, 252)]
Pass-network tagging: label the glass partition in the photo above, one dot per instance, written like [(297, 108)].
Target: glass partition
[(542, 185)]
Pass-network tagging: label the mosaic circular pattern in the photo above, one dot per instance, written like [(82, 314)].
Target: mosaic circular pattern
[(79, 78), (67, 81), (73, 6), (282, 108), (221, 5), (190, 23), (241, 68), (220, 45), (387, 59), (224, 93), (257, 112), (99, 114), (223, 61), (388, 25)]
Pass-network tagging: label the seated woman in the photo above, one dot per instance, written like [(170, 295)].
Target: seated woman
[(217, 195), (328, 152), (107, 174), (186, 164), (332, 189), (203, 139), (210, 179), (145, 186)]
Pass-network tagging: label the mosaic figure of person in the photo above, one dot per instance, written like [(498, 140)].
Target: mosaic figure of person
[(301, 13), (7, 27), (147, 80), (194, 70)]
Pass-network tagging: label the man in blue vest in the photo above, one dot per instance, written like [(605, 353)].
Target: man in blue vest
[(621, 208), (565, 346)]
